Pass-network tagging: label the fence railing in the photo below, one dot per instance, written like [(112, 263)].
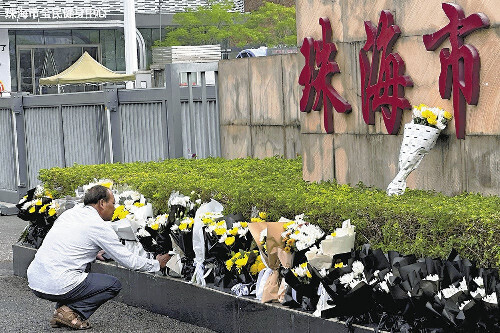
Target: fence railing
[(106, 126)]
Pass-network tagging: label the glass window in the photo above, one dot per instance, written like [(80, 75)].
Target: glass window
[(57, 37), (13, 65), (120, 50), (24, 37), (85, 36), (107, 38)]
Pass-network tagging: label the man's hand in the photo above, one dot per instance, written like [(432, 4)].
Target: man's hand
[(163, 259), (100, 255)]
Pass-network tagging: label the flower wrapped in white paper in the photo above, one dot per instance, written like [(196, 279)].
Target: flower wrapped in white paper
[(341, 241), (318, 259), (419, 137)]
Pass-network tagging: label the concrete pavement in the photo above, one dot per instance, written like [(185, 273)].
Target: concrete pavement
[(22, 311)]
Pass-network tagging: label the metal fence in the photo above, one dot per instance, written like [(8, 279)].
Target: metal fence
[(108, 126)]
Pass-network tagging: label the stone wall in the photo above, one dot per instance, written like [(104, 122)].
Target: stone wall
[(258, 102), (360, 152)]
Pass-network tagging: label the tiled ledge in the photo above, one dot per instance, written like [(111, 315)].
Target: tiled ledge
[(219, 311)]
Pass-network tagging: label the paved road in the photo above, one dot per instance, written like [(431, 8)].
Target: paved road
[(21, 311)]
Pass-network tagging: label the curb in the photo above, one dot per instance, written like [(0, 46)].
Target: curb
[(198, 305)]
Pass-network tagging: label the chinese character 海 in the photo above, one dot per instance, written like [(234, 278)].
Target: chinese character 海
[(382, 80)]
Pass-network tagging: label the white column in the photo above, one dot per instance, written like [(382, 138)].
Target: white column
[(130, 38)]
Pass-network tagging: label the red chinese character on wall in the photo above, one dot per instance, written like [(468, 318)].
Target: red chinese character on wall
[(382, 80), (317, 74), (460, 66)]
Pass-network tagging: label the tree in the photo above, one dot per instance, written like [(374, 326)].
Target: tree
[(216, 23)]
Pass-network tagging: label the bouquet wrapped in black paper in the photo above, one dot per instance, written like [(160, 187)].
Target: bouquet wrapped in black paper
[(242, 270), (40, 210), (302, 287)]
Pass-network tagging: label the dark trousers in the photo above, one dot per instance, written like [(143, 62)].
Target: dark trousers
[(89, 295)]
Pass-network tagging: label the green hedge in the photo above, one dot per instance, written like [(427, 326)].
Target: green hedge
[(418, 222)]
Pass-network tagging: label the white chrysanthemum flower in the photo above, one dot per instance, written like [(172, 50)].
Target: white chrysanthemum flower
[(463, 305), (39, 191), (491, 298), (479, 281), (431, 277), (479, 292), (198, 201), (463, 285), (384, 286), (222, 238), (143, 233), (28, 204), (175, 227), (388, 276), (450, 291), (346, 279), (358, 267), (417, 113)]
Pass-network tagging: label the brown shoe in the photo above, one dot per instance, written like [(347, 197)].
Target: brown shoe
[(53, 322), (67, 317)]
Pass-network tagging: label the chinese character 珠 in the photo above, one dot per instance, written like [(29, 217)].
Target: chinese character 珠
[(460, 66), (382, 80), (317, 74)]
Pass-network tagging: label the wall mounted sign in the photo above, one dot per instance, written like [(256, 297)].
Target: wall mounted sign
[(382, 79), (317, 74), (460, 65), (54, 13)]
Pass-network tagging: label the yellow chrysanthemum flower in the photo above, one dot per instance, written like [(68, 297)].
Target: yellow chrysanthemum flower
[(339, 265), (432, 121), (233, 231), (191, 222), (183, 226), (43, 208), (107, 184), (244, 224), (229, 240), (229, 264), (255, 219), (155, 226), (32, 209), (263, 215), (447, 115), (138, 204), (220, 231), (241, 261), (123, 214), (48, 194), (38, 202), (303, 265), (52, 212), (221, 223), (308, 274), (334, 234)]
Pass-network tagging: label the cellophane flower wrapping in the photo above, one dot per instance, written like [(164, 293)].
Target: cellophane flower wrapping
[(212, 208)]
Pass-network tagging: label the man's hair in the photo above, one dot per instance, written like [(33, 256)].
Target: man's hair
[(94, 194)]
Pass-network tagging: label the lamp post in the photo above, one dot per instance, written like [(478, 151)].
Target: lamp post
[(129, 30)]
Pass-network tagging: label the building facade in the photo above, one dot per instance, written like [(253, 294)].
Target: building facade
[(40, 38)]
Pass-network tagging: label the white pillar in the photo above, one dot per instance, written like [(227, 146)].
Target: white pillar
[(130, 38)]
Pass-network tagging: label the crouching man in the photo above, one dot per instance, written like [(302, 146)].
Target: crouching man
[(58, 271)]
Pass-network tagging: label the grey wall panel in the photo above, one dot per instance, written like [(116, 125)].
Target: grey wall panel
[(142, 132), (200, 130), (85, 134), (7, 154), (44, 141)]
